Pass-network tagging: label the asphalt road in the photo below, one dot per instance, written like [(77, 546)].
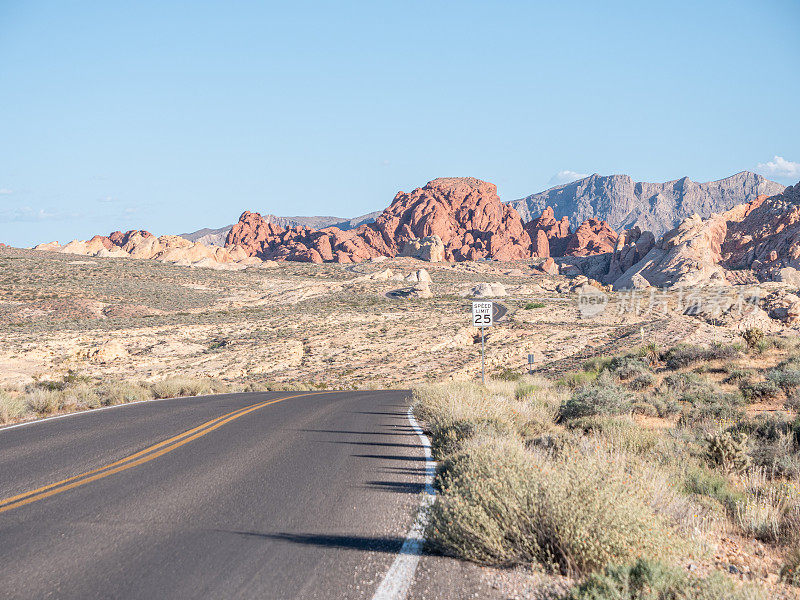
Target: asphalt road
[(307, 497)]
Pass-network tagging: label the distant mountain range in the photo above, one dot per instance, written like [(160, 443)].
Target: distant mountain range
[(617, 199), (656, 207), (216, 237)]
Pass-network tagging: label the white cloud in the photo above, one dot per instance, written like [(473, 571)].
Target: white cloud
[(28, 214), (5, 191), (566, 177), (780, 167)]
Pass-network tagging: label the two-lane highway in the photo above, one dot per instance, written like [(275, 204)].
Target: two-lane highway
[(277, 495)]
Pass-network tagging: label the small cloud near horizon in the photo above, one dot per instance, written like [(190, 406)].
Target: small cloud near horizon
[(566, 176), (27, 214), (780, 167), (6, 191)]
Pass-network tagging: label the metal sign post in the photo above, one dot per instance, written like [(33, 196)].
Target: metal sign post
[(482, 316), (531, 360)]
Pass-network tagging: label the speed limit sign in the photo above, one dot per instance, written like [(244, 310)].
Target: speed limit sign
[(482, 314)]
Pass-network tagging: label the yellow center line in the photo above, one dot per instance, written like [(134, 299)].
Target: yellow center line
[(131, 461)]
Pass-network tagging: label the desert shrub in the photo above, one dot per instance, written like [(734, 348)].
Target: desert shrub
[(526, 389), (786, 379), (703, 481), (642, 381), (43, 402), (737, 375), (11, 407), (689, 387), (717, 413), (683, 356), (752, 336), (664, 404), (179, 386), (606, 399), (508, 375), (652, 580), (577, 379), (758, 391), (597, 363), (790, 569), (448, 437), (122, 392), (532, 305), (793, 402), (498, 506), (644, 409), (728, 450), (79, 396), (482, 510), (627, 367)]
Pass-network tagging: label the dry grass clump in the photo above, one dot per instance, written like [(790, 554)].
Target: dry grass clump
[(652, 580), (175, 387), (575, 513)]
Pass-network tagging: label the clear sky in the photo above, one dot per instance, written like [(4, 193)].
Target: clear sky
[(176, 116)]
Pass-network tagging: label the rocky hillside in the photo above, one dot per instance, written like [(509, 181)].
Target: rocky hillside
[(656, 207), (448, 219)]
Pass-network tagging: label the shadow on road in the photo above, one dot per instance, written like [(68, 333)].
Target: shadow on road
[(353, 542)]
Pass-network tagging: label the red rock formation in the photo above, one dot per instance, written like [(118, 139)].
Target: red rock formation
[(592, 237), (119, 238), (465, 213), (549, 237), (765, 236)]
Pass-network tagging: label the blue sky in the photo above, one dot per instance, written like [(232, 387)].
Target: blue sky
[(176, 116)]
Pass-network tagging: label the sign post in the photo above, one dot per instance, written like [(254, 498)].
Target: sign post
[(482, 316), (531, 360)]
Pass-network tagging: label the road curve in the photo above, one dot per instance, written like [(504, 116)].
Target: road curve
[(261, 495)]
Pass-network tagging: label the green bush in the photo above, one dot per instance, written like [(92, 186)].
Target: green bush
[(758, 391), (627, 367), (786, 379), (606, 399), (532, 305), (651, 580), (705, 482), (684, 355), (508, 375), (577, 379), (597, 363), (718, 413), (737, 375)]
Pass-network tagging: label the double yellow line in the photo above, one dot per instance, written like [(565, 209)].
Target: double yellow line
[(136, 459)]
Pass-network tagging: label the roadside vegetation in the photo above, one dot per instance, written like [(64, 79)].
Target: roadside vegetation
[(74, 392), (660, 473)]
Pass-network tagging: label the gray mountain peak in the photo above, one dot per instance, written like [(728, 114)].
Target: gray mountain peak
[(657, 207)]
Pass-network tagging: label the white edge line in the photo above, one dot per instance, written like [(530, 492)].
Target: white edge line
[(398, 578), (99, 408)]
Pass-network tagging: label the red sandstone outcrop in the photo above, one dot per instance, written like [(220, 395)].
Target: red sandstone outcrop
[(465, 214), (592, 237), (766, 237), (548, 236)]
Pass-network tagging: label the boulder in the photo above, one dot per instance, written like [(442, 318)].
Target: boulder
[(429, 248), (488, 290)]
